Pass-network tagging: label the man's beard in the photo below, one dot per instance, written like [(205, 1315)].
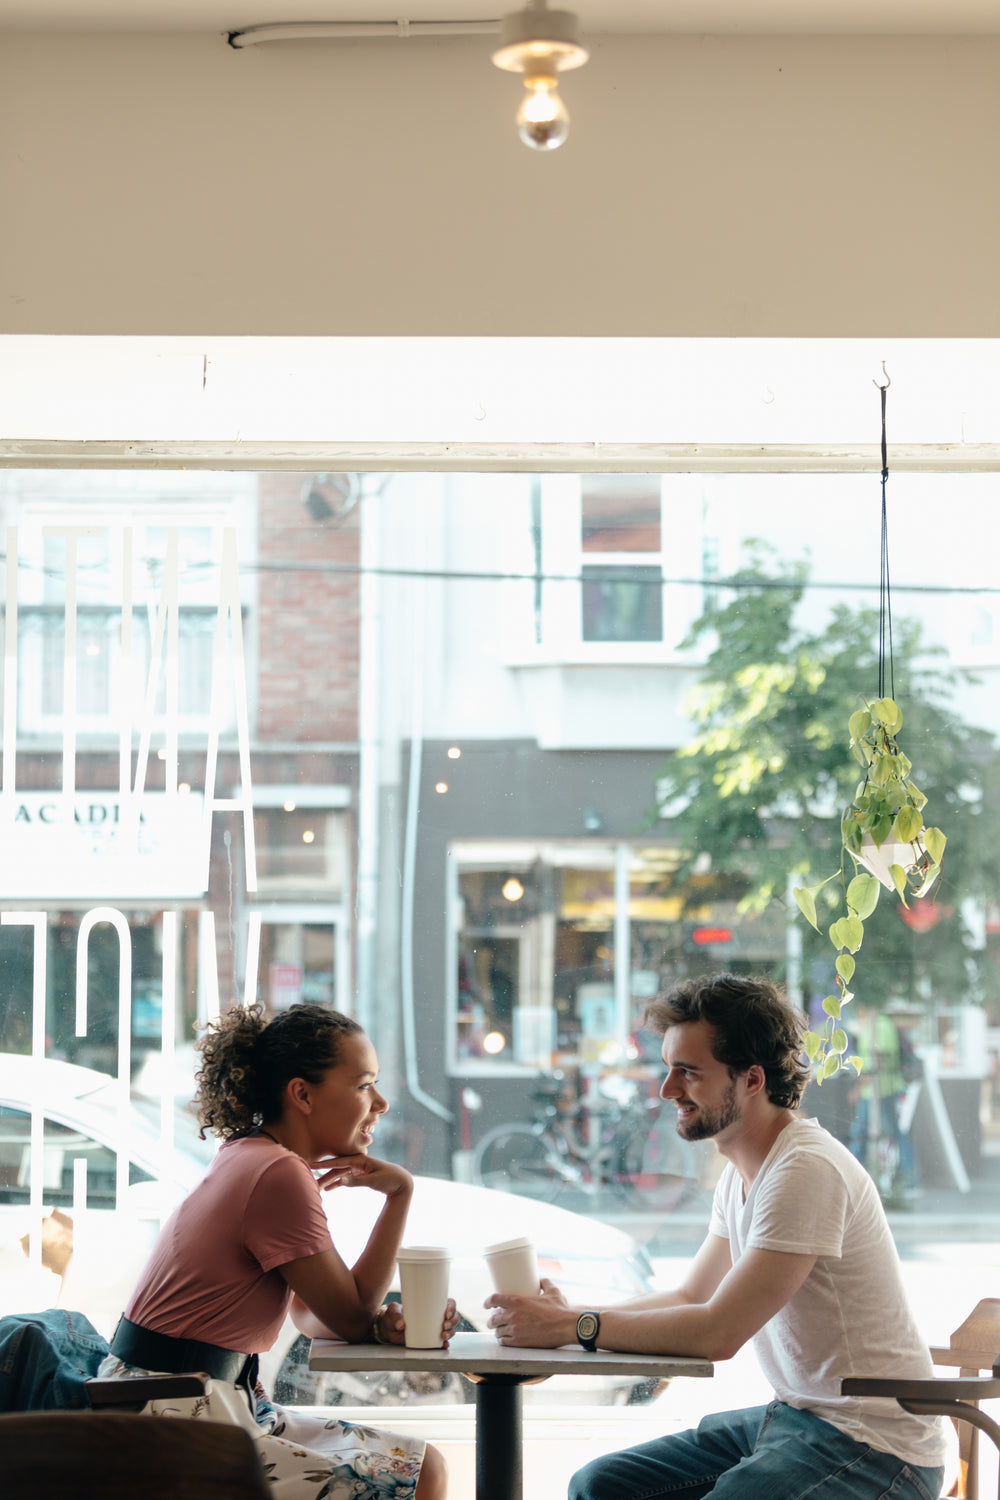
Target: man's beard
[(707, 1123)]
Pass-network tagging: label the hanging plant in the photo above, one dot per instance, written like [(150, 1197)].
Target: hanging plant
[(882, 831)]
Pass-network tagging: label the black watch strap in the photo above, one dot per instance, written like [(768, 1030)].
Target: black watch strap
[(588, 1330)]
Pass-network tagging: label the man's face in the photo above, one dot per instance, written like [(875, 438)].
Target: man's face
[(697, 1084)]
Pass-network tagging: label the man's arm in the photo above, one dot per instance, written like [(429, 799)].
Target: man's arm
[(535, 1321), (744, 1298), (701, 1280)]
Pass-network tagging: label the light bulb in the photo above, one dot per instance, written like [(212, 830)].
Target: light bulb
[(542, 121)]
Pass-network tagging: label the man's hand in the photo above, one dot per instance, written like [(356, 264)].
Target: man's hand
[(542, 1322)]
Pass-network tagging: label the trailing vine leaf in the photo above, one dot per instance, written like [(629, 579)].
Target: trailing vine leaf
[(862, 897), (806, 901), (935, 841), (845, 967), (848, 932)]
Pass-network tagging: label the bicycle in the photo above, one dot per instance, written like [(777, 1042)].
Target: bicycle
[(619, 1141)]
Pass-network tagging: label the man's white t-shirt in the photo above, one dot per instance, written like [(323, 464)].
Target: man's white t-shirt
[(850, 1316)]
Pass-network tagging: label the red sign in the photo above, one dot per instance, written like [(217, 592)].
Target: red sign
[(703, 936), (923, 915), (286, 985)]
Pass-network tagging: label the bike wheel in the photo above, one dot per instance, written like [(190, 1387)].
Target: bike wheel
[(657, 1167), (516, 1160)]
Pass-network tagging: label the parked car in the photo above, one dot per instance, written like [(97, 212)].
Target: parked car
[(97, 1252)]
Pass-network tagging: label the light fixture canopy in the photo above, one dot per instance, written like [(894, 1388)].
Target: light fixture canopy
[(540, 43), (537, 36)]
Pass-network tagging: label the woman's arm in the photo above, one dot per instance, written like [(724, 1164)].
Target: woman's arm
[(330, 1298)]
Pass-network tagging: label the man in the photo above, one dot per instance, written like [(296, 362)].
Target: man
[(798, 1258)]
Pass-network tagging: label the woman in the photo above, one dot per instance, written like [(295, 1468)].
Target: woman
[(295, 1103)]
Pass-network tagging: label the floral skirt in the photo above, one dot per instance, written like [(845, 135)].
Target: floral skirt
[(305, 1457)]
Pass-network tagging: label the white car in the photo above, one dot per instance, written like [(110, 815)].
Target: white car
[(591, 1261)]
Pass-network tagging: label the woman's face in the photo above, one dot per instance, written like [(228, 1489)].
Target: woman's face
[(346, 1104)]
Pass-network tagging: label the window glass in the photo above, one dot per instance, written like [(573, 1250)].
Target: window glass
[(621, 603), (62, 1146), (408, 745), (300, 847), (620, 513)]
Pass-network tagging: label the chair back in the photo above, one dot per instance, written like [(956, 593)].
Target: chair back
[(974, 1346), (117, 1456)]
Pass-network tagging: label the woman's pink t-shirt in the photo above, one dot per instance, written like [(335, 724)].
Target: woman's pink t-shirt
[(212, 1274)]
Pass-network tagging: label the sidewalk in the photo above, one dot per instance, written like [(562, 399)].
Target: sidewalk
[(932, 1214)]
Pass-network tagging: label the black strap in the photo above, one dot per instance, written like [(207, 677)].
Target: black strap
[(159, 1351)]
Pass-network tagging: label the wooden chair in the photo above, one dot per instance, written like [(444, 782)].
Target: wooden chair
[(973, 1347), (113, 1455)]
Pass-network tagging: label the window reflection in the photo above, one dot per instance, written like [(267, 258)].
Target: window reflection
[(519, 640)]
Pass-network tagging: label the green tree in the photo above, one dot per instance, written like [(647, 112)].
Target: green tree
[(762, 786)]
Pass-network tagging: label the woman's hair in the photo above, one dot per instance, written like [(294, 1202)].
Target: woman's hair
[(752, 1022), (246, 1061)]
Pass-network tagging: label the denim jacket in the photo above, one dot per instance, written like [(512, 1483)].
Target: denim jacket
[(45, 1359)]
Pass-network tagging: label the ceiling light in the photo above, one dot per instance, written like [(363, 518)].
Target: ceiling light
[(540, 43)]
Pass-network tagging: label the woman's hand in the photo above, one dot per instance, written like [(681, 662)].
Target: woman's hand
[(392, 1323), (450, 1323), (362, 1171)]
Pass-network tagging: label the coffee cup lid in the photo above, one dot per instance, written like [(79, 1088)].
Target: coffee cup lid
[(423, 1252), (522, 1243)]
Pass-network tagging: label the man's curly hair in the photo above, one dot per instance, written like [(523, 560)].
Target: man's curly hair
[(752, 1021)]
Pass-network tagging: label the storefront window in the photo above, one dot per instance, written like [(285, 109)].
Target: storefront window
[(537, 981), (407, 753)]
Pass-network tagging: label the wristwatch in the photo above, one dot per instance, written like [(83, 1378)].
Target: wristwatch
[(588, 1328)]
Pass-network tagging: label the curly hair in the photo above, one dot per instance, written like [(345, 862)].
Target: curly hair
[(246, 1061), (752, 1021)]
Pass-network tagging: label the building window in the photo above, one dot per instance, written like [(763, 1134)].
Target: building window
[(619, 552), (301, 849), (121, 554), (621, 603)]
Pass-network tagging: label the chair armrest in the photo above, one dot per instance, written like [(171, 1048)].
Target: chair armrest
[(136, 1392), (968, 1388), (964, 1359)]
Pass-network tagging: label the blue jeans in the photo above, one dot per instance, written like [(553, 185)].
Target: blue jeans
[(771, 1452)]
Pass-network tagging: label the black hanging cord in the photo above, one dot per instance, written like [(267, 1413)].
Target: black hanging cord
[(884, 605)]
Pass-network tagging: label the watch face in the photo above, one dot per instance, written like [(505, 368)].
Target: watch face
[(587, 1325)]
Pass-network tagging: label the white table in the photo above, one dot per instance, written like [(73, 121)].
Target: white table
[(500, 1371)]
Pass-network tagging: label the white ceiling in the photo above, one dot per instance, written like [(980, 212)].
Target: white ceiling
[(725, 17)]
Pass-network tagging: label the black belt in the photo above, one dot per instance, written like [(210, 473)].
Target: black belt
[(159, 1351)]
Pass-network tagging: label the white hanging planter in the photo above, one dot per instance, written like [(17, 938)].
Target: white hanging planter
[(878, 858)]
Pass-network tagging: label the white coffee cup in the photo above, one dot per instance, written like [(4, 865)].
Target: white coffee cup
[(514, 1267), (423, 1276)]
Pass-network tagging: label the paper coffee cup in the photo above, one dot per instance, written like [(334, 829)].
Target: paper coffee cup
[(423, 1276), (514, 1267)]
